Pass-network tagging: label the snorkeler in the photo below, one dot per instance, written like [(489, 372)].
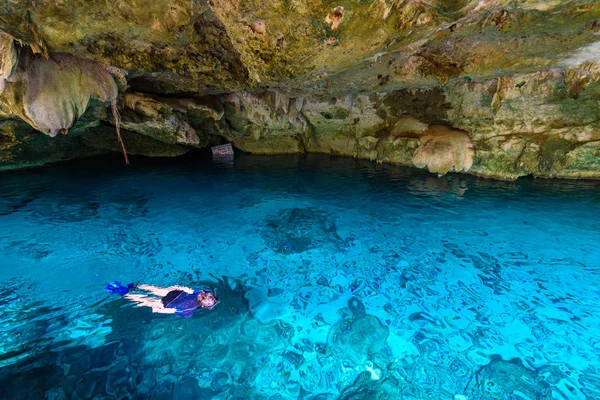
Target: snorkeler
[(178, 300)]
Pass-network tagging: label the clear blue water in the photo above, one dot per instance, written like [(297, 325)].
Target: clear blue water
[(338, 279)]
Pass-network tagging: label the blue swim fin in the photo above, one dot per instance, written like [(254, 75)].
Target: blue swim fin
[(116, 288)]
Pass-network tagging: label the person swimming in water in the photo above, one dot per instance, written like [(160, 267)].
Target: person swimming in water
[(178, 300)]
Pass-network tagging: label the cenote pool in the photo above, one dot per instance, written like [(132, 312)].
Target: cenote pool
[(338, 279)]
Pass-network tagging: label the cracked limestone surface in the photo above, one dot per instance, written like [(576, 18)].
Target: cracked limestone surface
[(518, 79)]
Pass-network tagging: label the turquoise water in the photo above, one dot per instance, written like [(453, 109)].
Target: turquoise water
[(337, 278)]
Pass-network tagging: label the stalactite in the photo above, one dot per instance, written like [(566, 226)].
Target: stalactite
[(234, 99), (277, 100), (303, 121), (443, 149), (299, 103), (8, 58), (56, 91), (349, 101)]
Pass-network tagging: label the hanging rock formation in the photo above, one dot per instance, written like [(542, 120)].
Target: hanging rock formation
[(496, 88), (8, 58), (442, 150), (52, 93)]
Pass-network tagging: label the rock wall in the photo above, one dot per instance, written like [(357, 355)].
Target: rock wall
[(496, 88)]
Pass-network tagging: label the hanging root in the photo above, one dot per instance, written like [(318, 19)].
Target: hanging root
[(117, 116)]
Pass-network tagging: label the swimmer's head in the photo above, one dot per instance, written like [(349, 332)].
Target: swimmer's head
[(207, 300)]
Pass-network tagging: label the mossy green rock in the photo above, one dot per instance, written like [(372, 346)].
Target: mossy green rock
[(28, 148)]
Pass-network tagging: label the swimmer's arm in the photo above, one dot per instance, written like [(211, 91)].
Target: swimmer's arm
[(156, 305), (162, 310), (155, 290), (139, 299)]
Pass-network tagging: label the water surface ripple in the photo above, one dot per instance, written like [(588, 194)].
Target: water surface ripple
[(339, 279)]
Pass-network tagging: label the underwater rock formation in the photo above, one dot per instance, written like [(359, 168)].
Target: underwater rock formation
[(503, 379), (354, 340), (297, 230), (518, 79)]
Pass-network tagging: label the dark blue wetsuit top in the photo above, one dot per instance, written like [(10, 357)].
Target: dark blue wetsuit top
[(186, 304)]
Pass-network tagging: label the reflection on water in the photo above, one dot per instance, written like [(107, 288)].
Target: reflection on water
[(338, 279)]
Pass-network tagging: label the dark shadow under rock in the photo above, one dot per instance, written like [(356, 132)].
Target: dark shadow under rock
[(295, 230)]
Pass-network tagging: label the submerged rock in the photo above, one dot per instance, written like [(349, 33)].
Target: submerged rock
[(507, 378), (364, 387), (297, 230), (356, 339)]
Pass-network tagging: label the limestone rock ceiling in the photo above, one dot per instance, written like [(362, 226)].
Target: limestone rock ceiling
[(514, 81)]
